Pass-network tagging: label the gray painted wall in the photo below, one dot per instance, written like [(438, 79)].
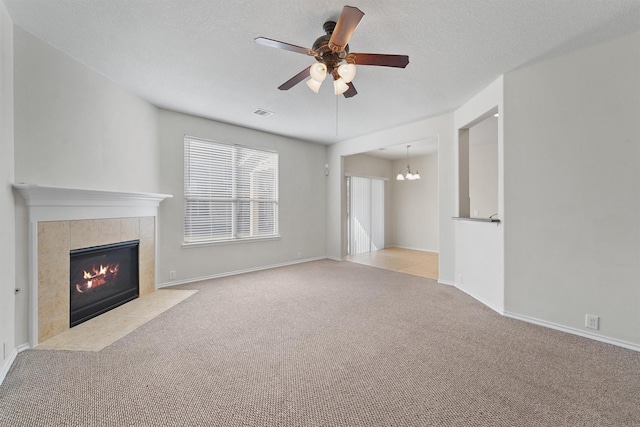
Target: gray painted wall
[(302, 203), (483, 168), (76, 128), (415, 205), (572, 180)]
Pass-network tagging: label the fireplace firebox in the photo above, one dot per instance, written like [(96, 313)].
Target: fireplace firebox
[(102, 278)]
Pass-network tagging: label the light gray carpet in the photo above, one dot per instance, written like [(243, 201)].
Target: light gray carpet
[(328, 344)]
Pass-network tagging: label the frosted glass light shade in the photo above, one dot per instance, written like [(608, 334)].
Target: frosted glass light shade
[(314, 85), (318, 71), (416, 175), (400, 177), (339, 86), (347, 72)]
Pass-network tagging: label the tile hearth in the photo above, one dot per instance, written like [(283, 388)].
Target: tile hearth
[(102, 331)]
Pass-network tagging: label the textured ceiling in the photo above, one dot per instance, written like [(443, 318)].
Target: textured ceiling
[(198, 56)]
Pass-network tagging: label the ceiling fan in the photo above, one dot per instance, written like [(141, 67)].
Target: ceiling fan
[(333, 56)]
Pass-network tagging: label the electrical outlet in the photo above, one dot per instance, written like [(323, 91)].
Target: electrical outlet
[(299, 255), (591, 321), (172, 274)]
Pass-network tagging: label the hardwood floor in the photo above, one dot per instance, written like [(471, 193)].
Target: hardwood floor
[(418, 263)]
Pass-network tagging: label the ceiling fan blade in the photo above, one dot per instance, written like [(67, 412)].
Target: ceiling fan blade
[(295, 79), (282, 45), (399, 61), (346, 25), (351, 91)]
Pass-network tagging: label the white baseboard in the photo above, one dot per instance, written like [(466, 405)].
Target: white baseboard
[(413, 249), (551, 325), (233, 273), (498, 310), (574, 331), (9, 362)]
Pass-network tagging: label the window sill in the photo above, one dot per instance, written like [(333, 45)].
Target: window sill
[(229, 242)]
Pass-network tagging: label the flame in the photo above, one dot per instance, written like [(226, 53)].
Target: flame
[(97, 276)]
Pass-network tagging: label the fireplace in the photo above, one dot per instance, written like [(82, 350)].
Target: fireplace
[(64, 219), (102, 278)]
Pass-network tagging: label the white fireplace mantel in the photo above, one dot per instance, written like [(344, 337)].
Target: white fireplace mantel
[(59, 203), (47, 203)]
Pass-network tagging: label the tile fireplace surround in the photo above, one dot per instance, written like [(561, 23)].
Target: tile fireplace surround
[(62, 219)]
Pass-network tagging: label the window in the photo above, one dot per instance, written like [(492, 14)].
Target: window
[(230, 192)]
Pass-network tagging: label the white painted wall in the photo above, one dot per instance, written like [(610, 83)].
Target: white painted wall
[(438, 127), (479, 247), (479, 262), (375, 167), (73, 128), (447, 200), (415, 205), (572, 176), (7, 210), (302, 203)]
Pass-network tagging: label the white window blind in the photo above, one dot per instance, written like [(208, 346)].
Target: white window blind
[(230, 192), (366, 214)]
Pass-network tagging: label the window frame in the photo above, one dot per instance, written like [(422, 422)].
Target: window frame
[(235, 219)]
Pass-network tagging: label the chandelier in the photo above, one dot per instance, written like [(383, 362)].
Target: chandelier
[(405, 174)]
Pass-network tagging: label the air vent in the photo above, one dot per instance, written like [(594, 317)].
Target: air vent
[(263, 113)]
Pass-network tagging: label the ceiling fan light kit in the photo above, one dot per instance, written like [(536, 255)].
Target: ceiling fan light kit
[(340, 87), (314, 85), (347, 72), (332, 53), (318, 72)]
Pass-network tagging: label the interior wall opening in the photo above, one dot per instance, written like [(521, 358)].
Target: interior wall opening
[(478, 168)]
